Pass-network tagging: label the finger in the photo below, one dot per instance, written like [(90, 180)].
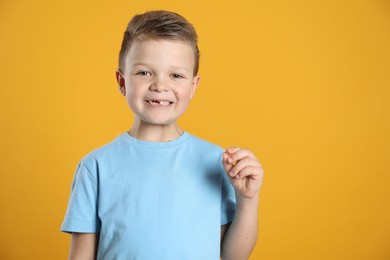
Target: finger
[(230, 151), (233, 149), (227, 166), (241, 164), (241, 154), (253, 172), (225, 158)]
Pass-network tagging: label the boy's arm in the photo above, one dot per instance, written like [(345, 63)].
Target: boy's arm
[(246, 175), (83, 246), (223, 231), (240, 236)]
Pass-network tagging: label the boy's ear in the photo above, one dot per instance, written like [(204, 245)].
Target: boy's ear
[(121, 82), (195, 83)]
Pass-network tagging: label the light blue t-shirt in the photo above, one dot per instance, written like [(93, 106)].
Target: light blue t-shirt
[(152, 200)]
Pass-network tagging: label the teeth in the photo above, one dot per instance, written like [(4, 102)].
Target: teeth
[(159, 103)]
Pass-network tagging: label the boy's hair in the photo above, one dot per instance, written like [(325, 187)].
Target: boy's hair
[(159, 25)]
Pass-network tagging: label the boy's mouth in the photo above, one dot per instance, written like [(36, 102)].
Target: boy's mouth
[(159, 102)]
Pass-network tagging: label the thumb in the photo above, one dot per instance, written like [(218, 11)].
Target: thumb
[(226, 165)]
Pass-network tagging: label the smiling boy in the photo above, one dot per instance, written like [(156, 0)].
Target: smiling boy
[(160, 85), (156, 191)]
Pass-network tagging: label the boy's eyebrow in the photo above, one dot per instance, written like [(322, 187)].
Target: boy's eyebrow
[(141, 64), (147, 65)]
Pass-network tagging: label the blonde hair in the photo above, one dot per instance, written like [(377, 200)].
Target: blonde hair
[(159, 24)]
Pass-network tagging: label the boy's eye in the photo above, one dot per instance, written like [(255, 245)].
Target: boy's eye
[(177, 76), (143, 73)]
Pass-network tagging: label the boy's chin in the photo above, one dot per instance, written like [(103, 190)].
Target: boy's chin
[(157, 123)]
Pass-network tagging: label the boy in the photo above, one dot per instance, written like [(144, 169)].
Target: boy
[(156, 191)]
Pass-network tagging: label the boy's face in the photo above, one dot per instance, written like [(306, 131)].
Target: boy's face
[(158, 80)]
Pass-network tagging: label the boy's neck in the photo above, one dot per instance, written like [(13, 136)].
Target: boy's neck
[(155, 133)]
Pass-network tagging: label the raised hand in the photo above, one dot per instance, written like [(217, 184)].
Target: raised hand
[(245, 172)]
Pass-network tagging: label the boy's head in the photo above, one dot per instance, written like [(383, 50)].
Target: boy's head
[(159, 25), (158, 67)]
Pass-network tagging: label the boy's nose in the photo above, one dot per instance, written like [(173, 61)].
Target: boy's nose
[(159, 85)]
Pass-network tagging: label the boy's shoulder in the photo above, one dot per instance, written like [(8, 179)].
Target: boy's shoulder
[(205, 144), (103, 151)]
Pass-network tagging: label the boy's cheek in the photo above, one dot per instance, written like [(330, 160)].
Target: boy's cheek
[(180, 95)]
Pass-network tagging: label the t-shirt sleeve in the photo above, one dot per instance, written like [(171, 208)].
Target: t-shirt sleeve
[(228, 198), (81, 215)]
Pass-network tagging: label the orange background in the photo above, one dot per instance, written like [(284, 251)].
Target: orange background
[(304, 84)]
